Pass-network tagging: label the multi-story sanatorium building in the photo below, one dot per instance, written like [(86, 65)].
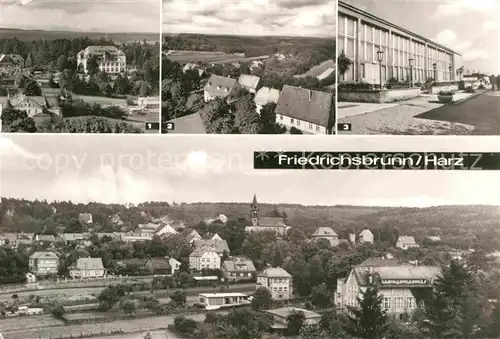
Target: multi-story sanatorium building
[(109, 59), (361, 35)]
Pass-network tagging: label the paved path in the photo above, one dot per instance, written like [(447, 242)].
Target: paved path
[(482, 112), (425, 116)]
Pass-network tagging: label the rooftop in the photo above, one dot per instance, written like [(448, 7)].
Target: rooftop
[(325, 231), (220, 86), (250, 81), (89, 264), (306, 105), (222, 295), (286, 311), (266, 95), (44, 255), (274, 272), (219, 245), (188, 124)]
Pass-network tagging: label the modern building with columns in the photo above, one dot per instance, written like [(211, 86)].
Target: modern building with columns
[(361, 35)]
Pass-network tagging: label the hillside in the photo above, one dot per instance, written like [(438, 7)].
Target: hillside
[(467, 223), (29, 35)]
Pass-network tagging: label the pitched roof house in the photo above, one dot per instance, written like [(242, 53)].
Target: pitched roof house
[(85, 218), (366, 236), (405, 242), (87, 268), (159, 266), (328, 234), (238, 269), (220, 246), (307, 110), (190, 235), (220, 87), (249, 82)]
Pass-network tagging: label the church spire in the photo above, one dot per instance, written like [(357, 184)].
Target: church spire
[(254, 202), (254, 211)]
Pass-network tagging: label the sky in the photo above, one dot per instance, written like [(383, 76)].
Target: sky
[(83, 15), (132, 169), (313, 18), (471, 27)]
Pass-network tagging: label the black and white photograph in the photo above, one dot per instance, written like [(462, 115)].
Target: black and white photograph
[(156, 239), (79, 66), (418, 67), (248, 67)]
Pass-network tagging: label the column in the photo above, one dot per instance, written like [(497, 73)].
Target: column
[(390, 61), (426, 63)]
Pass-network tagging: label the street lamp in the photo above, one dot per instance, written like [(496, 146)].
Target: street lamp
[(450, 69), (434, 67), (410, 62), (380, 57)]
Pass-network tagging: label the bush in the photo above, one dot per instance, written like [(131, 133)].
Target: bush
[(294, 130), (355, 86), (446, 92), (470, 90), (481, 86)]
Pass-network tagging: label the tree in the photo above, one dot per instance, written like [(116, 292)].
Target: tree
[(369, 321), (493, 328), (17, 121), (61, 62), (262, 299), (185, 325), (321, 296), (29, 61), (295, 321), (343, 63), (127, 306), (144, 90), (93, 65), (31, 88)]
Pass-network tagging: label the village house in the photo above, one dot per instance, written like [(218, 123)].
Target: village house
[(366, 236), (147, 230), (309, 111), (277, 281), (191, 235), (136, 237), (399, 284), (193, 67), (109, 59), (212, 236), (220, 87), (238, 269), (87, 268), (175, 264), (39, 108), (265, 224), (405, 242), (85, 218), (165, 230), (158, 266), (204, 258), (220, 246), (433, 238), (116, 220), (264, 96), (249, 82), (80, 239), (280, 316), (45, 239), (328, 234), (44, 263)]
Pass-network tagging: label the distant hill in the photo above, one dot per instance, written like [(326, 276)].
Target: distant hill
[(29, 35), (454, 221)]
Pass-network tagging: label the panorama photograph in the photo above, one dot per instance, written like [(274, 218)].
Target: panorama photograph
[(248, 67), (79, 67), (159, 239)]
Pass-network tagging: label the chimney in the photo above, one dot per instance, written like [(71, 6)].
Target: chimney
[(310, 95)]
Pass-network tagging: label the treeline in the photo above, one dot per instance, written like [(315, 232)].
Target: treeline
[(50, 53), (250, 46)]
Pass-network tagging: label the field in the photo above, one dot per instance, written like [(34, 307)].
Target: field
[(28, 322), (29, 35), (101, 100), (318, 69), (210, 57)]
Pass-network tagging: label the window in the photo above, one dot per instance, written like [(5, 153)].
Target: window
[(292, 120), (317, 128), (298, 122), (281, 117), (387, 303), (398, 303), (310, 125), (409, 303), (350, 48), (342, 25), (351, 24)]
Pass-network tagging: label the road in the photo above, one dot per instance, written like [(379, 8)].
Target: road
[(155, 335), (482, 112)]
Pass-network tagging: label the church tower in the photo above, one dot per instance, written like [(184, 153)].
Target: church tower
[(254, 212)]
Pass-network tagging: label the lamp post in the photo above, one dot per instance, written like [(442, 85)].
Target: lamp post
[(450, 69), (434, 67), (380, 57), (410, 62)]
